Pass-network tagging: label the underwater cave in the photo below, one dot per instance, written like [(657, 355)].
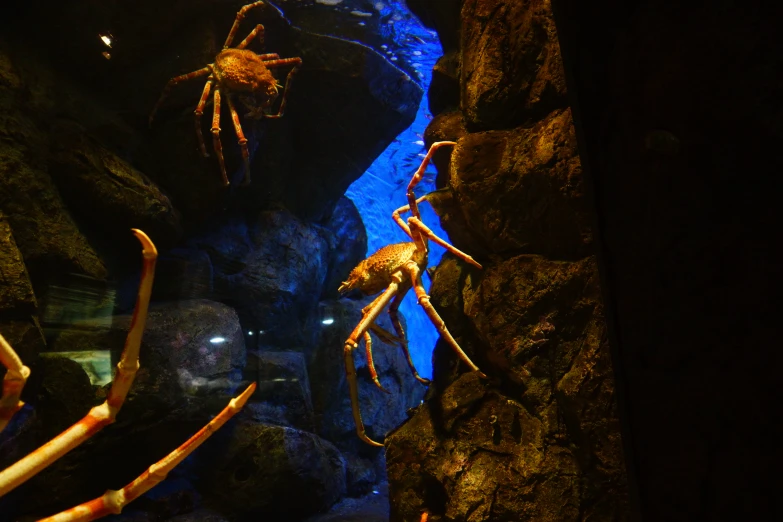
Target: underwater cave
[(389, 260)]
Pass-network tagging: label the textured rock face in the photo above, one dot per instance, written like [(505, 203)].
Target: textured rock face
[(274, 472), (511, 66), (271, 270), (539, 439)]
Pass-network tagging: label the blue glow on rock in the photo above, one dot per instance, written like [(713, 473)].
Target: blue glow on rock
[(381, 189)]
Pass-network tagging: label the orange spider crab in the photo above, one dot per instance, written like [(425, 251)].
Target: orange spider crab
[(396, 268), (100, 416), (237, 70)]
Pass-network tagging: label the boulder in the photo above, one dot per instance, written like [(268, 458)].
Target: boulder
[(271, 270), (521, 190), (283, 393), (512, 72), (347, 245), (270, 472)]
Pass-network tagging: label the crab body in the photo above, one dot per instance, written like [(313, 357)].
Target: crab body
[(243, 71), (375, 273)]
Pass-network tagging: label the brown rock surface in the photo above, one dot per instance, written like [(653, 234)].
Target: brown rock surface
[(540, 439), (511, 66), (521, 190)]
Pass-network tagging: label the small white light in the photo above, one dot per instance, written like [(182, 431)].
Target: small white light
[(328, 321), (217, 340), (250, 332), (375, 491), (260, 332), (106, 39)]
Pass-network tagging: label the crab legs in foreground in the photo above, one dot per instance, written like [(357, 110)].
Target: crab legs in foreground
[(396, 269), (100, 416)]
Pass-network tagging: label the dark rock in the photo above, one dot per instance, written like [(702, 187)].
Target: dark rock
[(370, 103), (283, 393), (372, 507), (183, 273), (25, 336), (521, 190), (380, 411), (446, 126), (479, 455), (271, 472), (96, 183), (512, 71), (443, 92), (347, 245), (271, 271), (43, 228), (16, 291), (200, 515), (540, 327), (174, 496)]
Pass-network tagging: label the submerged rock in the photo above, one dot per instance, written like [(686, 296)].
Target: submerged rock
[(270, 472), (271, 270)]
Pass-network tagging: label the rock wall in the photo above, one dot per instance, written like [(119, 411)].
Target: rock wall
[(540, 438)]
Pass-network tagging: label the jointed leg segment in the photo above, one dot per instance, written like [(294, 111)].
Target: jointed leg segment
[(352, 343), (424, 301), (174, 81)]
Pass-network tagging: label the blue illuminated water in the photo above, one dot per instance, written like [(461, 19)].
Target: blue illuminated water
[(382, 188)]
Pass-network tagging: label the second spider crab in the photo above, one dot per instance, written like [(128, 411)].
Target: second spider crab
[(237, 70), (396, 269)]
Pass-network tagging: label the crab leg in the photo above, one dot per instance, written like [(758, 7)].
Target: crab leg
[(199, 112), (174, 81), (416, 223), (351, 344), (237, 21), (404, 226), (370, 363), (424, 301), (241, 138), (257, 32), (104, 414), (112, 502), (216, 136), (419, 174), (394, 314), (280, 63), (13, 383)]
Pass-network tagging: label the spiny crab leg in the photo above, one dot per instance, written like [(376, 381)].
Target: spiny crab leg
[(419, 175), (352, 343), (240, 16), (104, 414), (370, 363), (112, 502), (394, 315), (424, 301), (13, 383), (415, 228)]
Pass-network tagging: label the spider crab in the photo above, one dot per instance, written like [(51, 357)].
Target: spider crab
[(237, 70), (396, 269), (100, 416)]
